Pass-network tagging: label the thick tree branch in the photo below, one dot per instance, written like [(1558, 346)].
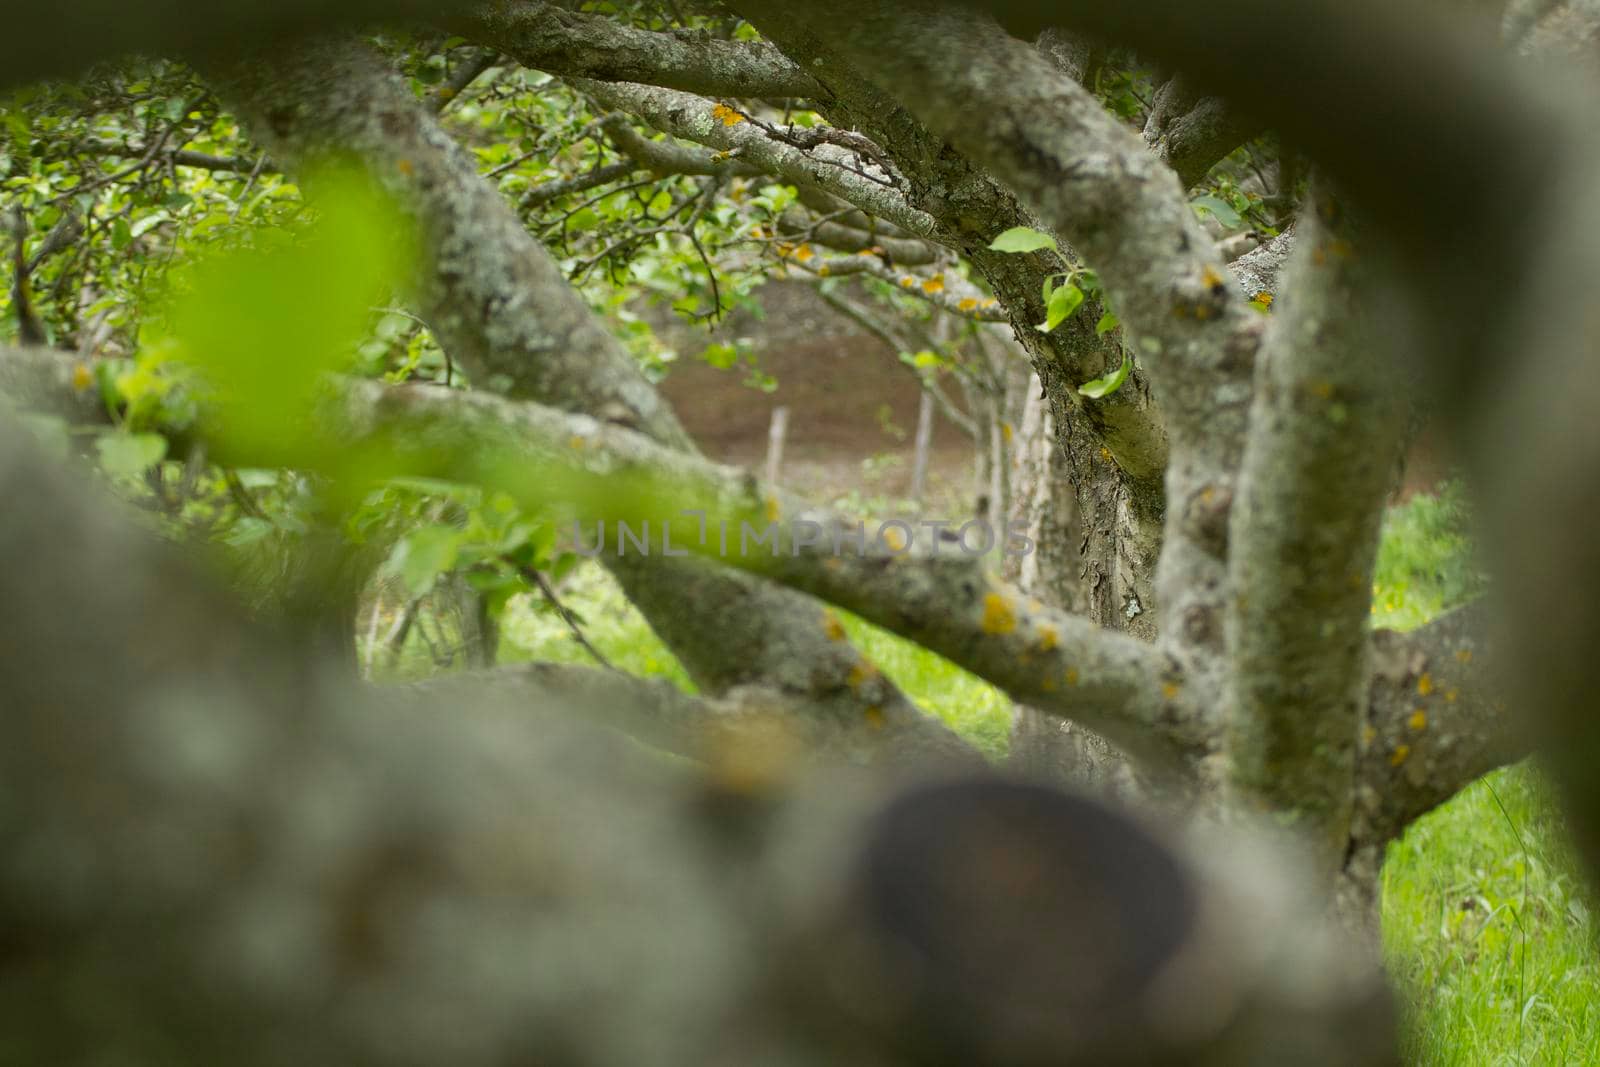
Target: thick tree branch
[(1259, 270), (655, 711), (574, 44), (827, 168), (1324, 437), (1193, 133), (929, 589), (1436, 720)]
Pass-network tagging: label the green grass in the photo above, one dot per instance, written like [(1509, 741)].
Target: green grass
[(1486, 925), (1487, 932)]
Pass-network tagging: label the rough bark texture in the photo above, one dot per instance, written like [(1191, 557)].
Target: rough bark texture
[(1328, 415), (544, 36)]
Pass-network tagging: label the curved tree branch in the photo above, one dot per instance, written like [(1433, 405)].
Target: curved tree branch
[(827, 168), (1435, 720), (579, 45)]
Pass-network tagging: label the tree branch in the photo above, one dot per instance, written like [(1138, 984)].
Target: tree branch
[(1435, 720), (1316, 474), (930, 590), (578, 45), (1192, 133), (827, 168)]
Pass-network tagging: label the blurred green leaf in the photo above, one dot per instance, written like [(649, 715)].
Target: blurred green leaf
[(1103, 387), (1063, 302), (424, 554), (130, 454), (1022, 239)]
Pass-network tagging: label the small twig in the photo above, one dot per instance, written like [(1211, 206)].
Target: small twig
[(242, 497), (537, 578)]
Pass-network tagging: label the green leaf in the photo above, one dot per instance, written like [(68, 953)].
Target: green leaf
[(130, 454), (1107, 323), (261, 325), (1063, 302), (424, 554), (1103, 387), (1022, 239), (1221, 209)]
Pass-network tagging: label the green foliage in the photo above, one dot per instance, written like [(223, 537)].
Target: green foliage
[(1425, 563), (1023, 239), (261, 325), (1219, 209), (1489, 931), (1060, 304), (1097, 388)]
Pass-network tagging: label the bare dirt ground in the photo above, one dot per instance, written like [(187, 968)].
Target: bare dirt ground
[(852, 403)]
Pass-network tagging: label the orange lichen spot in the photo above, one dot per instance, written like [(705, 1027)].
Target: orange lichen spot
[(1400, 754), (1322, 390), (1211, 277), (804, 253), (758, 231), (823, 271), (773, 510), (447, 93), (1418, 720), (860, 674), (894, 537), (1451, 695), (1425, 684), (726, 115), (908, 282), (1072, 676), (1263, 298), (990, 302), (874, 717), (82, 377), (998, 615), (406, 167), (1105, 454), (1005, 432), (1048, 638), (1464, 655), (785, 248), (934, 284), (1169, 690), (967, 305), (1202, 312), (832, 626)]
